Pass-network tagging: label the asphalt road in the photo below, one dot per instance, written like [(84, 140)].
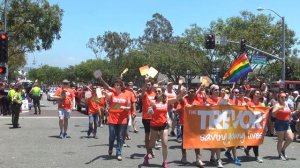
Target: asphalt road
[(36, 145)]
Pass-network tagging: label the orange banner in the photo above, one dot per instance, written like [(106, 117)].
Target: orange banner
[(223, 126)]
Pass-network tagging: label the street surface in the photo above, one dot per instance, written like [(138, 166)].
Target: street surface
[(36, 145)]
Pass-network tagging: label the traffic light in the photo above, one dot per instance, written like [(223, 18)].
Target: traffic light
[(2, 70), (243, 45), (3, 47), (210, 41)]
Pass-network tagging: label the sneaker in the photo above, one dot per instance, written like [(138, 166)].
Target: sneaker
[(65, 135), (110, 152), (61, 135), (213, 161), (237, 161), (96, 137), (184, 160), (284, 155), (172, 133), (246, 152), (228, 155), (281, 157), (157, 145), (259, 160), (89, 134), (136, 131), (125, 145), (220, 165), (119, 158), (165, 164)]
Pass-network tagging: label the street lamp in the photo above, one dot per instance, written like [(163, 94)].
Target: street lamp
[(188, 72), (283, 41)]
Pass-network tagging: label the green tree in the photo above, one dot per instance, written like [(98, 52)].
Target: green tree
[(112, 43), (31, 25), (159, 29), (260, 32)]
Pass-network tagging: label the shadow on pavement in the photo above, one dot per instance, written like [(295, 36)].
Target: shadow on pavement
[(105, 157), (136, 156)]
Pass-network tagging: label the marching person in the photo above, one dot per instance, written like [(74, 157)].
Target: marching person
[(190, 100), (148, 95), (255, 96), (282, 112), (119, 106), (214, 99), (65, 97), (159, 124), (94, 108)]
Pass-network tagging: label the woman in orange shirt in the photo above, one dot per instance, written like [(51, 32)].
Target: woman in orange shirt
[(119, 106), (254, 102), (214, 99), (190, 100), (159, 124), (282, 114)]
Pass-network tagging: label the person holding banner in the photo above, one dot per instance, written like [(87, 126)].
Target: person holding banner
[(235, 100), (119, 106), (255, 95), (189, 100), (282, 113), (212, 100), (159, 123)]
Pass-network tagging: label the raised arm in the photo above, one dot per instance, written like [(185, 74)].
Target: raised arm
[(105, 84)]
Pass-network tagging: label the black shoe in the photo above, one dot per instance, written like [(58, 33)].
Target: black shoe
[(172, 133), (35, 113), (246, 152), (16, 126)]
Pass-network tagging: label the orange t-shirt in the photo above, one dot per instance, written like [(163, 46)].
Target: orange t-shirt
[(170, 95), (93, 104), (253, 104), (237, 102), (159, 117), (65, 103), (117, 115), (132, 99), (146, 99), (185, 102), (213, 101)]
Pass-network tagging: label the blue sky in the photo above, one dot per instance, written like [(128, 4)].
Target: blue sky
[(86, 19)]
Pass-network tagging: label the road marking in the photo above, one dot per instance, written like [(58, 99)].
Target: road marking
[(54, 117)]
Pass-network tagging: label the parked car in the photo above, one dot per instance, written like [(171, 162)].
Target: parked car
[(51, 93)]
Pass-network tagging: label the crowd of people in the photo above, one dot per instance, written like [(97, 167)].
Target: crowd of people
[(162, 108)]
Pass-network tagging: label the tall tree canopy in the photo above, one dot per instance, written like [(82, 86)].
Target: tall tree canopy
[(32, 25)]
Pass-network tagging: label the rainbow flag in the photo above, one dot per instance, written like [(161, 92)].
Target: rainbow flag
[(239, 68)]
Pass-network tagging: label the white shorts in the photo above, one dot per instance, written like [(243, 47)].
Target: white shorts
[(62, 113)]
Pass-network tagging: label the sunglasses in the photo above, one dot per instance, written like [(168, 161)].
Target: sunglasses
[(236, 92), (158, 91)]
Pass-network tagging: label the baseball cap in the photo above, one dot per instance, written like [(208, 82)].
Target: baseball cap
[(65, 81)]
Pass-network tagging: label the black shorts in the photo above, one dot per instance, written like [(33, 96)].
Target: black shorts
[(146, 123), (160, 128)]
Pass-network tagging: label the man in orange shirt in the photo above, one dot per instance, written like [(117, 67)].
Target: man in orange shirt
[(65, 97)]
